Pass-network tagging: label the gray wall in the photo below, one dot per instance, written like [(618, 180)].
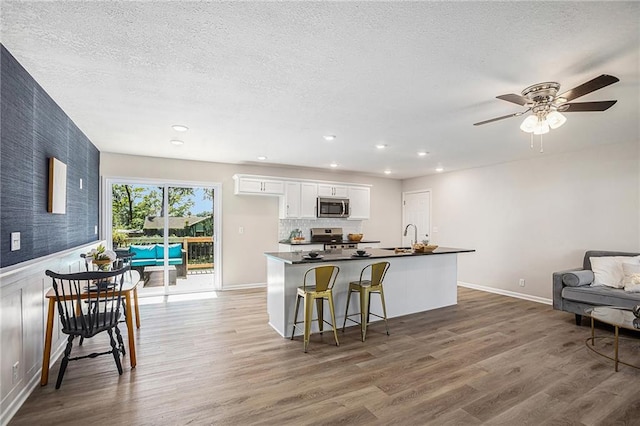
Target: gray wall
[(33, 129), (529, 218)]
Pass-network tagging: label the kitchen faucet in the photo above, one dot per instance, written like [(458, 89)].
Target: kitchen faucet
[(415, 233)]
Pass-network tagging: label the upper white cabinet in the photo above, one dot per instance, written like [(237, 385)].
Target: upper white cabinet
[(330, 190), (359, 199), (299, 197), (308, 200), (299, 200), (290, 202), (256, 185)]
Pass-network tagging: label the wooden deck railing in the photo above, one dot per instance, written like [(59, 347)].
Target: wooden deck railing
[(199, 252)]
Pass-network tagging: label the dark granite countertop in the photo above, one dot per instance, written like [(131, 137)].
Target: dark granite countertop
[(350, 254)]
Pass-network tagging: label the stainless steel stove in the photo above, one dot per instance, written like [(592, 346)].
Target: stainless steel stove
[(333, 238)]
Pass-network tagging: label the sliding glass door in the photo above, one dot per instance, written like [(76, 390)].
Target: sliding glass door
[(170, 227)]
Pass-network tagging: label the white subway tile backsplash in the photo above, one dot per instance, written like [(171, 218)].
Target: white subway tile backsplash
[(287, 225)]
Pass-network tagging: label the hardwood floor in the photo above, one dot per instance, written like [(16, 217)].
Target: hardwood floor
[(489, 360)]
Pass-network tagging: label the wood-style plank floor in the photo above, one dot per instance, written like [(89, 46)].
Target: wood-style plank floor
[(489, 360)]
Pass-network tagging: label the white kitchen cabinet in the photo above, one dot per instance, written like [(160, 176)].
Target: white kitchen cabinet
[(359, 202), (290, 202), (335, 191), (308, 200), (299, 200), (255, 185)]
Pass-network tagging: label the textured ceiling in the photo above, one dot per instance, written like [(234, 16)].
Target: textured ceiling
[(271, 78)]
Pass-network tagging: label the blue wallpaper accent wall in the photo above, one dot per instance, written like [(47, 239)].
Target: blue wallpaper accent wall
[(34, 128)]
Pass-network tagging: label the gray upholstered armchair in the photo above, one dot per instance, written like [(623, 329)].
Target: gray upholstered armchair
[(572, 291)]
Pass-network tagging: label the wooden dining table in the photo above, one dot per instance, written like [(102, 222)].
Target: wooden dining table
[(129, 289)]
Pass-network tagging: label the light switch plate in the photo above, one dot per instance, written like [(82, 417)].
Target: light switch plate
[(15, 241)]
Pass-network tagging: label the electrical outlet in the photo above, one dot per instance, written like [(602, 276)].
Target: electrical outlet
[(521, 282), (241, 230), (15, 370)]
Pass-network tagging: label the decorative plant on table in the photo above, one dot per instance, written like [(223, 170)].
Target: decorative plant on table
[(101, 257)]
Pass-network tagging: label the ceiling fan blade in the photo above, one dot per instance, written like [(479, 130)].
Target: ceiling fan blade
[(590, 86), (587, 106), (517, 114), (516, 99)]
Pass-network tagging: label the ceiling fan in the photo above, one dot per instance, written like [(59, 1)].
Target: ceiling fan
[(546, 105)]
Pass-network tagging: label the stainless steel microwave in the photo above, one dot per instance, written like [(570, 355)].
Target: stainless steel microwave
[(333, 207)]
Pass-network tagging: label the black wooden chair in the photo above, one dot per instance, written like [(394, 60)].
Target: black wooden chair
[(88, 304)]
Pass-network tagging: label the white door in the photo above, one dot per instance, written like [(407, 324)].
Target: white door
[(416, 210)]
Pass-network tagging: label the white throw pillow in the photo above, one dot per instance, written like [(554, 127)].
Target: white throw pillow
[(607, 270), (631, 278)]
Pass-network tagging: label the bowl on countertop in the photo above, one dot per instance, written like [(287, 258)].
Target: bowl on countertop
[(424, 248), (355, 237)]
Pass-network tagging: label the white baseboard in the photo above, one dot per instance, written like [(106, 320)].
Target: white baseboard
[(506, 293), (243, 286)]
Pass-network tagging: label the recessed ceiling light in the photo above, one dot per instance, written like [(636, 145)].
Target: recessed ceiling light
[(387, 172), (177, 142), (262, 158), (422, 153), (439, 169), (333, 165), (381, 146), (329, 138), (180, 128)]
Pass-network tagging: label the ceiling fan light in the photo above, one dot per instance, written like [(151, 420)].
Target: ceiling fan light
[(529, 124), (541, 128), (555, 119)]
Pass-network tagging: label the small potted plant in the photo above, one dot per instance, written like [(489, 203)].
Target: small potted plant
[(119, 239), (101, 257)]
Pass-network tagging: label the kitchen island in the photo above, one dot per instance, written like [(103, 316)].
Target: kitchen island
[(415, 282)]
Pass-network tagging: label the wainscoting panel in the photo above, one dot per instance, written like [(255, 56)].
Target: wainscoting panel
[(23, 310)]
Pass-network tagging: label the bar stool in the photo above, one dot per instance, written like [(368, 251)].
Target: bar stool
[(365, 288), (321, 290)]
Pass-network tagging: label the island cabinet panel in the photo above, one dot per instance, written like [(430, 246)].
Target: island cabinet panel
[(414, 283), (330, 190), (257, 186), (359, 201)]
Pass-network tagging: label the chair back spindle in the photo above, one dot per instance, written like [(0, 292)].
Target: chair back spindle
[(89, 303)]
